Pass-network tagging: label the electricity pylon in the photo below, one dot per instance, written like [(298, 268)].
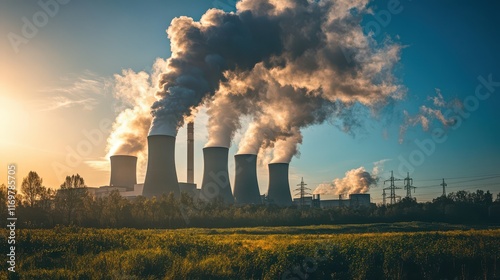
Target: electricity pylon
[(392, 188), (302, 191), (409, 185)]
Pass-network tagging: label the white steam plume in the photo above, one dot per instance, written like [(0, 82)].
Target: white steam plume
[(355, 181), (136, 92)]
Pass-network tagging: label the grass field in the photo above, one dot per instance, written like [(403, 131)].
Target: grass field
[(373, 251)]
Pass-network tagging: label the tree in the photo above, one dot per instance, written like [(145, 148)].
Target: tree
[(32, 188), (460, 196), (481, 197), (47, 196), (69, 198), (116, 210), (3, 201)]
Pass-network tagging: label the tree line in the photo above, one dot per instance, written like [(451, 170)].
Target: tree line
[(72, 204)]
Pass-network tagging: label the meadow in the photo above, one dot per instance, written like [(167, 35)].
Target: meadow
[(368, 251)]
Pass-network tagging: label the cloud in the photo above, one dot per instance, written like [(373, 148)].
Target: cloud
[(437, 100), (101, 164), (81, 91), (428, 113)]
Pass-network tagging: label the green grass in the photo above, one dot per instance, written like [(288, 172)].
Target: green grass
[(372, 251)]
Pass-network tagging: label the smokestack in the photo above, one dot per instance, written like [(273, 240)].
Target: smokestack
[(215, 175), (190, 153), (161, 176), (123, 171), (279, 188), (246, 187)]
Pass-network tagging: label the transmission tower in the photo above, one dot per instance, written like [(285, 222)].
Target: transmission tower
[(302, 191), (392, 187), (409, 185), (444, 187)]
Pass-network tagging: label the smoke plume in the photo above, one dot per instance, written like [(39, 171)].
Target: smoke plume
[(322, 65), (355, 181), (136, 93), (288, 64), (201, 53)]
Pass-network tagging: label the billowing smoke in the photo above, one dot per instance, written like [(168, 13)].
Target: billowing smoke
[(136, 93), (287, 63), (278, 115), (438, 110), (355, 181), (225, 110), (202, 52), (285, 149), (322, 65)]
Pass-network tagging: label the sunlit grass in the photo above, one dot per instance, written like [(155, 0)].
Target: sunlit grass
[(259, 253)]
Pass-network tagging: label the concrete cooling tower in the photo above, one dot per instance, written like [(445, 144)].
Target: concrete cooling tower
[(161, 175), (279, 188), (123, 171), (246, 187), (215, 182)]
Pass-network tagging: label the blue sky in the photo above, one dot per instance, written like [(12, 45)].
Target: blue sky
[(448, 45)]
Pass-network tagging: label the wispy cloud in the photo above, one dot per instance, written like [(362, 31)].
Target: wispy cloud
[(100, 164), (81, 91), (378, 167), (428, 113)]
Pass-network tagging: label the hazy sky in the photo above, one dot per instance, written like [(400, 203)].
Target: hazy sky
[(56, 93)]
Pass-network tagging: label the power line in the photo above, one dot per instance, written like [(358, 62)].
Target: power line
[(489, 176), (475, 180), (462, 177), (460, 182)]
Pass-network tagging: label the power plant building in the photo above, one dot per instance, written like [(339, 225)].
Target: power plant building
[(354, 201), (161, 178)]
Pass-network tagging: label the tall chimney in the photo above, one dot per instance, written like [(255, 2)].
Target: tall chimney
[(123, 171), (279, 188), (190, 153), (215, 175), (246, 187), (161, 176)]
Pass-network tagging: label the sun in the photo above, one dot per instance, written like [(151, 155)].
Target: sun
[(11, 112)]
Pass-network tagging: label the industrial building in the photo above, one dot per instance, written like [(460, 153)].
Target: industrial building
[(161, 178), (355, 200)]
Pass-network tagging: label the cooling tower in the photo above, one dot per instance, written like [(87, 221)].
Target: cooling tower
[(246, 187), (161, 176), (215, 175), (123, 171), (279, 188)]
